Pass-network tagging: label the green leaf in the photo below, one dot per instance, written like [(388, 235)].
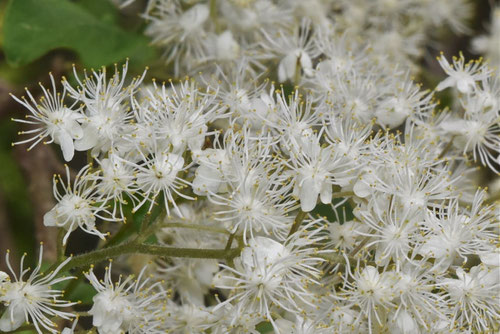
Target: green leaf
[(265, 327), (343, 212), (84, 292), (34, 27), (104, 10), (14, 189)]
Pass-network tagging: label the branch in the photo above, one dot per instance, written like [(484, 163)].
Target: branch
[(140, 248)]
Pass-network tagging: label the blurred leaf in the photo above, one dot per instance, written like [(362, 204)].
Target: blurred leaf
[(84, 292), (264, 327), (2, 15), (34, 27), (344, 212), (104, 10), (12, 184)]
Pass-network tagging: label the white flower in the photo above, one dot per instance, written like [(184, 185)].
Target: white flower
[(77, 205), (55, 120), (230, 321), (417, 297), (247, 17), (462, 75), (107, 110), (296, 50), (250, 208), (488, 44), (450, 231), (180, 115), (132, 305), (406, 100), (372, 292), (269, 274), (238, 89), (314, 169), (257, 199), (293, 119), (115, 183), (454, 13), (356, 94), (32, 299), (345, 235), (392, 233), (241, 160), (158, 174), (474, 299), (491, 258), (209, 175), (180, 32), (478, 132), (191, 278), (188, 318), (226, 48)]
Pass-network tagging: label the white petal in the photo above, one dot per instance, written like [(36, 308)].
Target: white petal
[(7, 323), (326, 193), (75, 129), (287, 66), (49, 219), (308, 195), (67, 147), (464, 85), (206, 180), (195, 143), (361, 189), (306, 64), (88, 140), (446, 83), (390, 118)]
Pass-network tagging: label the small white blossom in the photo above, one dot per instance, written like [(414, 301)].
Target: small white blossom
[(474, 299), (32, 299), (132, 305), (77, 205), (268, 274), (56, 120), (462, 75)]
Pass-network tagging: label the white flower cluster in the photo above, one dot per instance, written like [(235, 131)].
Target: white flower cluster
[(194, 34), (255, 183)]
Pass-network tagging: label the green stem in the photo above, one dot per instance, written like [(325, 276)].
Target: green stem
[(90, 158), (332, 258), (360, 246), (296, 79), (213, 15), (298, 220), (163, 251), (343, 194), (229, 241), (446, 148)]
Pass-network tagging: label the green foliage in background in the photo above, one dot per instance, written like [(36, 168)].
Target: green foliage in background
[(90, 28)]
